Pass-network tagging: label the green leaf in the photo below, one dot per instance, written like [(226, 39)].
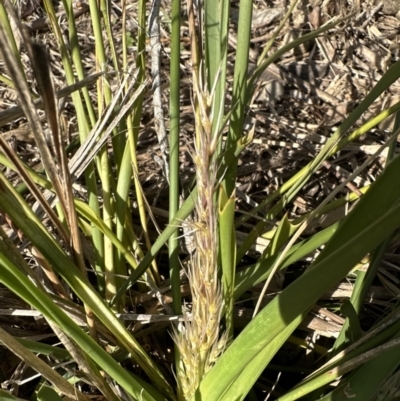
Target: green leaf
[(254, 274), (6, 396), (23, 287), (353, 332), (367, 380), (239, 95), (46, 393), (23, 217), (372, 220)]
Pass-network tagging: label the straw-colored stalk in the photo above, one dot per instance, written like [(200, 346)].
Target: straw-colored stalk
[(199, 339)]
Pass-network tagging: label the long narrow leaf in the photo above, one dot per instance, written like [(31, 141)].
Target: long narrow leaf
[(24, 288), (373, 219), (25, 219)]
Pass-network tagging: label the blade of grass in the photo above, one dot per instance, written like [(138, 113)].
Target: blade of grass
[(181, 215), (216, 14), (84, 119), (367, 380), (137, 115), (5, 22), (260, 271), (24, 288), (230, 157), (216, 50), (239, 388), (372, 220), (46, 393), (375, 347), (21, 215), (269, 44), (63, 185), (174, 115), (239, 96), (123, 205), (44, 349), (291, 188), (104, 98), (365, 278), (6, 396)]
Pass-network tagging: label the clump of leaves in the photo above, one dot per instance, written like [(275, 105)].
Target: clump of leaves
[(68, 236)]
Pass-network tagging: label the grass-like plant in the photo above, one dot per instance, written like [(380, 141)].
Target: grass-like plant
[(90, 257)]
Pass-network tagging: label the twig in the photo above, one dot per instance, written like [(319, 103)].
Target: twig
[(159, 123)]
